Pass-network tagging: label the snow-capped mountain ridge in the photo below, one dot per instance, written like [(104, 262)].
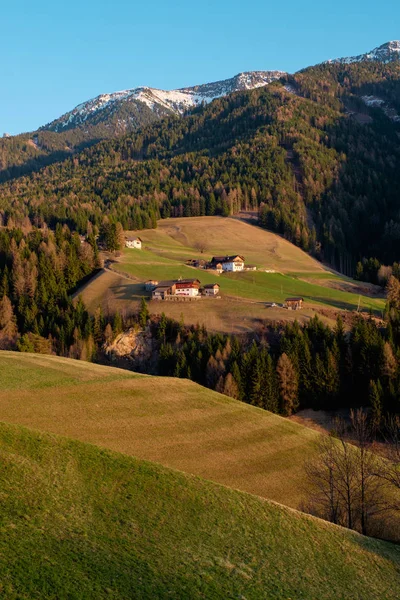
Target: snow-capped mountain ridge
[(386, 53), (161, 101), (125, 110)]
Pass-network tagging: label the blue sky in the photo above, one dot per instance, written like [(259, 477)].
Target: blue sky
[(55, 55)]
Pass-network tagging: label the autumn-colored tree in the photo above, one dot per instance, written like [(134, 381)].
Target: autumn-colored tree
[(288, 385), (231, 387), (8, 325), (393, 292)]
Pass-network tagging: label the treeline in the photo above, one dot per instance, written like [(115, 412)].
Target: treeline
[(372, 271), (29, 152), (292, 367), (316, 175)]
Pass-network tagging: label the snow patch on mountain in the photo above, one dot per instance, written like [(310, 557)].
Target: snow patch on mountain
[(376, 102), (386, 53), (163, 101)]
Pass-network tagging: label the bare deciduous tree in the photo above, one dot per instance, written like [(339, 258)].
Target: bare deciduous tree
[(345, 478), (201, 245), (390, 471)]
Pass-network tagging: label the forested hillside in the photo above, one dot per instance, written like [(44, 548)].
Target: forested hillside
[(29, 152), (38, 271), (318, 161)]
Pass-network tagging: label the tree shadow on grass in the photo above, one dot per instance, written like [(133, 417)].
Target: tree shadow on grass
[(341, 305)]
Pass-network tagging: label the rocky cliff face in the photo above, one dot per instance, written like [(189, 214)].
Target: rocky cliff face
[(134, 346)]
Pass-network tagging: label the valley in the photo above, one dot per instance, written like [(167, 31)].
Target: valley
[(200, 321)]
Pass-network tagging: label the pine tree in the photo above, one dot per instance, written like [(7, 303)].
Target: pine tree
[(162, 327), (235, 371), (288, 385), (144, 313), (375, 402)]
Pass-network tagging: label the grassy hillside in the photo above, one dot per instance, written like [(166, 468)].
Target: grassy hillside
[(79, 522), (172, 421), (244, 295)]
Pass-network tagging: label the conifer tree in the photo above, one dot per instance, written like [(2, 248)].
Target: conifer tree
[(375, 402), (288, 385), (144, 313)]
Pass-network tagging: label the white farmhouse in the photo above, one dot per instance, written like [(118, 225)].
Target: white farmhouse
[(228, 263), (187, 287), (133, 242)]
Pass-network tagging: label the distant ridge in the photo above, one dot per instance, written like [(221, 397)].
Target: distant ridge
[(388, 52), (161, 102)]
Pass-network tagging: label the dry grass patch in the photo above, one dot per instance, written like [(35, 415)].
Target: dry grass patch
[(171, 421)]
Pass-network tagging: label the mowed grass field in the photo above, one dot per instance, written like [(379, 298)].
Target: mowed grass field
[(171, 421), (244, 295), (83, 523)]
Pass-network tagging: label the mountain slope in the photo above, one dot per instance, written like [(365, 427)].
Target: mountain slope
[(171, 421), (316, 153), (115, 114), (318, 163), (161, 102), (388, 52), (79, 522), (109, 116)]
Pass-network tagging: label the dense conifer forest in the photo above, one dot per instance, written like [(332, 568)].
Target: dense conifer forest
[(319, 165), (38, 272), (283, 369)]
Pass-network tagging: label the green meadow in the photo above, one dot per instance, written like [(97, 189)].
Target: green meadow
[(166, 249), (81, 523)]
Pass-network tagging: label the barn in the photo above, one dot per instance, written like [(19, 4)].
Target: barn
[(294, 303), (211, 289)]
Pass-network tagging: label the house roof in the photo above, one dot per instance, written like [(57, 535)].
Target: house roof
[(171, 282), (188, 280), (209, 286), (232, 258), (187, 284), (166, 283), (294, 299), (133, 239)]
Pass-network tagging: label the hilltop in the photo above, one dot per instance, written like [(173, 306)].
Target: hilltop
[(82, 522), (388, 52)]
